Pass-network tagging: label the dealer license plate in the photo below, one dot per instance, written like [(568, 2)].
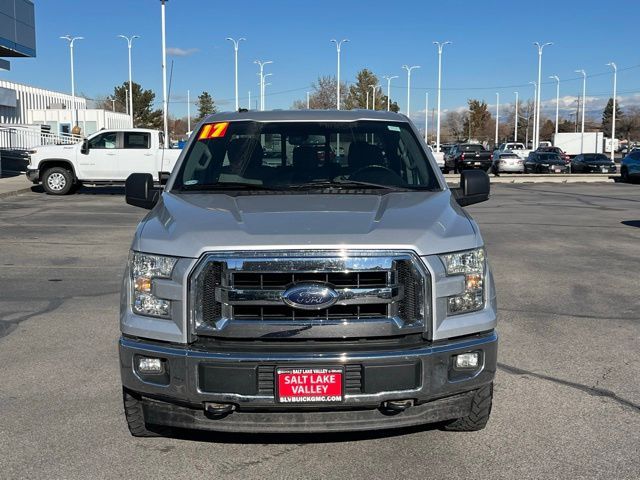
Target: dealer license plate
[(309, 385), (476, 163)]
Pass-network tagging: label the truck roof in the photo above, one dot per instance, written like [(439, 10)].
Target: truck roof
[(307, 115)]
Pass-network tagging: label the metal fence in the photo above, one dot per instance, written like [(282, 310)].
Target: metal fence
[(24, 138)]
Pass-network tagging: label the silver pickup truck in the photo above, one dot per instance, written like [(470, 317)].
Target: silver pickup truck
[(334, 284)]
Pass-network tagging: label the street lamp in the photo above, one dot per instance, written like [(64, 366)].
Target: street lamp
[(426, 119), (307, 100), (130, 44), (584, 105), (338, 45), (261, 64), (235, 50), (71, 40), (497, 118), (557, 79), (440, 46), (264, 90), (515, 128), (165, 103), (388, 79), (373, 95), (533, 133), (408, 69), (188, 110), (613, 118), (540, 47)]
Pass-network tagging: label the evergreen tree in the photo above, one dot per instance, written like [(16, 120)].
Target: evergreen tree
[(478, 122), (206, 106), (607, 116), (358, 92), (143, 113)]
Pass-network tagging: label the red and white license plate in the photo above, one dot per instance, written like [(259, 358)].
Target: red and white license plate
[(309, 385)]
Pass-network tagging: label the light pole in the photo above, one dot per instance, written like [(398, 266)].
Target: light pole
[(557, 79), (613, 118), (584, 105), (235, 51), (165, 103), (264, 90), (367, 104), (388, 79), (440, 46), (74, 116), (373, 96), (540, 47), (338, 46), (515, 128), (408, 69), (497, 118), (307, 100), (533, 133), (188, 110), (249, 102), (261, 64), (129, 45), (426, 119)]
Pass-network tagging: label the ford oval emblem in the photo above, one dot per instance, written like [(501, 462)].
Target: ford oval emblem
[(310, 296)]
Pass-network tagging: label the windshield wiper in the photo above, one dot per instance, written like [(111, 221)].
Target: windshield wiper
[(228, 186), (344, 183)]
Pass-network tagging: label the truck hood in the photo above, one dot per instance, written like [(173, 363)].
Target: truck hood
[(188, 225)]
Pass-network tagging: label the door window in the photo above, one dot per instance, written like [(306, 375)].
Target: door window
[(107, 140), (137, 140)]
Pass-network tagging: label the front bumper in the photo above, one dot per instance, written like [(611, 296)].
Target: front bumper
[(424, 374), (33, 175)]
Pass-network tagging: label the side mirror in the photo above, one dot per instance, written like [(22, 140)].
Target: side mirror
[(85, 147), (140, 192), (474, 187)]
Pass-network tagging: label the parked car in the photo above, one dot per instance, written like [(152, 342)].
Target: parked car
[(592, 163), (359, 299), (557, 150), (630, 167), (105, 158), (543, 162), (507, 162), (465, 156), (514, 147), (438, 156)]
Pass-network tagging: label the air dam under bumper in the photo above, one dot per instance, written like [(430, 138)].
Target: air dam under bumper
[(177, 397)]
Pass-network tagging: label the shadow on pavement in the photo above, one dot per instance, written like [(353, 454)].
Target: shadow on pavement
[(631, 223), (294, 438)]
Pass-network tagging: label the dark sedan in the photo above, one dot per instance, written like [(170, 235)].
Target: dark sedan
[(592, 163), (538, 162), (557, 150)]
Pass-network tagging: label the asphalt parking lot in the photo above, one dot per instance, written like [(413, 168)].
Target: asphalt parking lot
[(567, 394)]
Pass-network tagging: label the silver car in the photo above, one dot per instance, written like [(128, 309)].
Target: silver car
[(301, 292), (507, 163)]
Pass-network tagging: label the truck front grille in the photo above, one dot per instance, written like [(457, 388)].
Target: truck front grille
[(243, 296)]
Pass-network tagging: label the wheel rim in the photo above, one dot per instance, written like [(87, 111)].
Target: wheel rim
[(56, 181)]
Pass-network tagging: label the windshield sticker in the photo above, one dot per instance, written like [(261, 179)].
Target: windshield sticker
[(191, 182), (213, 130), (393, 128)]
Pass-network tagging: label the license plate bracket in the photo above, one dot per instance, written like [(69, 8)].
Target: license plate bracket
[(304, 385)]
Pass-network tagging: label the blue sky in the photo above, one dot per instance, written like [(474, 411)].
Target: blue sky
[(492, 47)]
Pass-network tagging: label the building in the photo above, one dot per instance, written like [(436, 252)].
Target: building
[(17, 30), (91, 120), (17, 99)]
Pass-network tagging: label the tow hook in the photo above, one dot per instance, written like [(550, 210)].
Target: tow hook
[(396, 406), (219, 409)]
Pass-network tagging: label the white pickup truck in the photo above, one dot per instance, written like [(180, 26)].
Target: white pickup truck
[(513, 147), (105, 158)]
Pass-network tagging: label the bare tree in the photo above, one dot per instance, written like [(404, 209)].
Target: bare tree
[(324, 94), (453, 126)]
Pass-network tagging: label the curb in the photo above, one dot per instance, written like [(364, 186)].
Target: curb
[(14, 193)]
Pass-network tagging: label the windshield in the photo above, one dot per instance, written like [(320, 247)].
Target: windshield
[(472, 148), (293, 155), (546, 157), (596, 158)]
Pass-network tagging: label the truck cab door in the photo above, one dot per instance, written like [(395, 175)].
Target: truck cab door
[(138, 155), (99, 162)]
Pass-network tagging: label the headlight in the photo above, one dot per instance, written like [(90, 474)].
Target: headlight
[(472, 265), (144, 269)]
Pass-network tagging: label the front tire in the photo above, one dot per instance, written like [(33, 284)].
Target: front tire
[(134, 415), (480, 412), (57, 181)]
